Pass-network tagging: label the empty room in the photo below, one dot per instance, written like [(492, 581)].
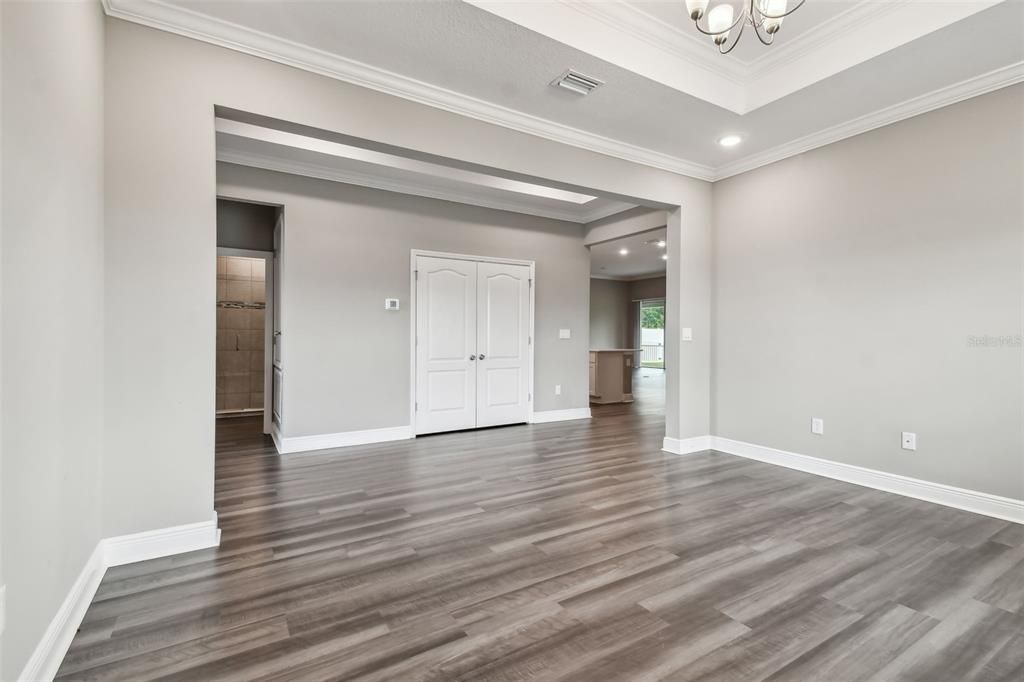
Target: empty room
[(498, 340)]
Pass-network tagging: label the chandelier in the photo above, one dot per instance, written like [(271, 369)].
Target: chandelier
[(764, 15)]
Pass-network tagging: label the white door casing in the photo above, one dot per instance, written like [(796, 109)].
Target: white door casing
[(446, 311), (502, 346)]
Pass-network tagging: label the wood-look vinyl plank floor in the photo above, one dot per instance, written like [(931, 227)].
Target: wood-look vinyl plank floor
[(570, 551)]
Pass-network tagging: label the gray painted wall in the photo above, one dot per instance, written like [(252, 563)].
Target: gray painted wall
[(242, 225), (609, 313), (849, 282), (160, 200), (347, 248), (652, 287), (623, 224), (52, 327)]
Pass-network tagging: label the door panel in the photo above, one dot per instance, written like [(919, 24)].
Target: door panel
[(445, 341), (503, 329)]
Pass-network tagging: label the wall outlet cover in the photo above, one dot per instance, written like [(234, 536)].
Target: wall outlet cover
[(687, 334), (390, 304), (909, 440), (564, 334)]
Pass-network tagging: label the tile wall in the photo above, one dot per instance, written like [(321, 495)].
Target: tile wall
[(240, 333)]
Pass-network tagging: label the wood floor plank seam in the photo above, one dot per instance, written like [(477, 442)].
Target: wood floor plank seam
[(571, 551)]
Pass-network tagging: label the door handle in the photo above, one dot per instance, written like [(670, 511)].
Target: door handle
[(482, 356), (472, 357)]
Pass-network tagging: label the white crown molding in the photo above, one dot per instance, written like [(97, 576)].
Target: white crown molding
[(973, 87), (184, 22), (191, 24), (950, 496), (301, 444), (309, 170), (548, 416), (683, 59)]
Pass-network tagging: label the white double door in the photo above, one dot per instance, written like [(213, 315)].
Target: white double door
[(472, 344)]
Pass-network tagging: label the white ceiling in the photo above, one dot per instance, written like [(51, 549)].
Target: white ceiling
[(839, 68), (813, 14), (642, 260), (261, 147)]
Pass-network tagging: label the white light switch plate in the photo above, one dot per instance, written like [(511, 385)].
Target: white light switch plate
[(558, 389), (687, 334), (564, 334), (817, 426)]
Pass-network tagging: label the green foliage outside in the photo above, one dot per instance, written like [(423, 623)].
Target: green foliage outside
[(652, 318)]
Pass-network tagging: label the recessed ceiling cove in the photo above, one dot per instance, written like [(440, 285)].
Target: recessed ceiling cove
[(837, 68)]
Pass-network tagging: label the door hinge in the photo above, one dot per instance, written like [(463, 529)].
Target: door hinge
[(531, 282), (529, 340), (416, 274), (529, 396), (417, 406)]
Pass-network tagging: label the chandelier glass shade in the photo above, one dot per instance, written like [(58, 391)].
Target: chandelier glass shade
[(764, 16)]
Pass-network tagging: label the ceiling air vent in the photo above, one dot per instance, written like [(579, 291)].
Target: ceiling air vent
[(577, 82)]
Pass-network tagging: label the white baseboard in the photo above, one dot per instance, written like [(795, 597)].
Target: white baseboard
[(995, 506), (123, 549), (49, 652), (286, 445), (153, 544), (547, 416), (686, 446)]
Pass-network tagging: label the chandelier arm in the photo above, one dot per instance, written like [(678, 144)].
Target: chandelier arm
[(764, 41), (735, 41), (696, 23), (784, 14)]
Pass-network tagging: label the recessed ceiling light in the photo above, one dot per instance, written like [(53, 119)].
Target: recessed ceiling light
[(730, 140), (664, 256), (623, 252)]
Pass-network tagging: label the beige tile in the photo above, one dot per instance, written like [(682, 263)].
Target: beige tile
[(259, 269), (256, 317), (235, 318), (256, 401), (220, 402), (239, 290), (256, 381), (239, 268), (232, 362), (259, 339), (236, 401), (244, 342), (237, 383), (222, 383), (222, 265), (221, 289), (255, 361), (259, 292), (227, 339)]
